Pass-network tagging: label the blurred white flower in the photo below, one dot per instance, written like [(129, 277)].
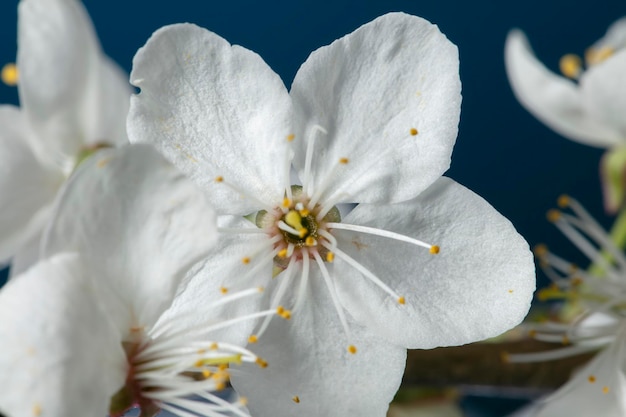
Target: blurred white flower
[(599, 294), (586, 104), (90, 340), (370, 119), (74, 100)]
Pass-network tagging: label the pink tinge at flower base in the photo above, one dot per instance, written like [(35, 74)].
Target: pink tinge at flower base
[(73, 101), (585, 104), (370, 119), (95, 341)]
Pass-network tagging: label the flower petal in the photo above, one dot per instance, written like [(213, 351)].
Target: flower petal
[(214, 110), (66, 85), (599, 388), (478, 286), (60, 356), (223, 274), (553, 99), (369, 90), (142, 227), (310, 370), (27, 187), (603, 87)]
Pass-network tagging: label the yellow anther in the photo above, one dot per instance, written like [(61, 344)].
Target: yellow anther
[(253, 339), (540, 250), (290, 137), (434, 249), (286, 203), (220, 386), (413, 131), (286, 314), (10, 75), (343, 160), (571, 66), (330, 257), (214, 346), (261, 289), (295, 399), (219, 179), (553, 215), (246, 260), (36, 410), (199, 363), (510, 291), (206, 373), (605, 389), (596, 56), (563, 201), (352, 349), (280, 310), (310, 241), (243, 401), (591, 379), (401, 300), (223, 290), (222, 367), (302, 232), (304, 212), (282, 253), (261, 362)]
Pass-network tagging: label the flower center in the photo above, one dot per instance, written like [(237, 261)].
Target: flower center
[(298, 228)]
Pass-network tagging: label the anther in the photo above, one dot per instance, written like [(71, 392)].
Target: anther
[(206, 374), (330, 257), (605, 389), (343, 160), (243, 401), (553, 215), (286, 314), (540, 250), (434, 249), (591, 379), (223, 290), (290, 137), (10, 74), (245, 260), (280, 310), (253, 339), (220, 386), (295, 399), (352, 349), (401, 300), (261, 362), (286, 203), (570, 66), (304, 212), (214, 346), (219, 179), (310, 241), (563, 201), (413, 131), (282, 253)]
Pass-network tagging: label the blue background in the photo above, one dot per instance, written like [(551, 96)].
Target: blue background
[(502, 152)]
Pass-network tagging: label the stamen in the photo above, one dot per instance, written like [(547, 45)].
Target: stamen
[(329, 179), (285, 278), (295, 399), (240, 230), (366, 272), (286, 228), (10, 75), (306, 180), (304, 279), (413, 131), (571, 66), (383, 233), (352, 349), (333, 294), (253, 339), (262, 204)]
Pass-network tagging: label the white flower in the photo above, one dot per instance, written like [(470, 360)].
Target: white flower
[(587, 107), (89, 340), (599, 388), (370, 119), (73, 101)]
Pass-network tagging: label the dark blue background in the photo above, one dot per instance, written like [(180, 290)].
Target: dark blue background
[(502, 152)]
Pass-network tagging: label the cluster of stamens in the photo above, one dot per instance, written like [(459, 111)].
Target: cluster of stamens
[(298, 226)]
